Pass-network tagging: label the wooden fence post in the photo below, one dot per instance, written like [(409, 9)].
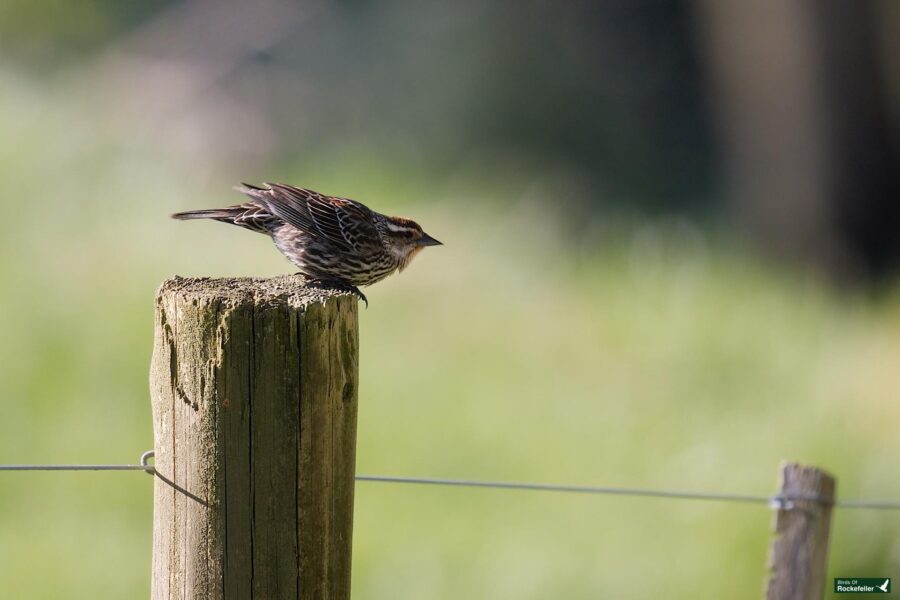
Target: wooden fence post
[(798, 558), (254, 392)]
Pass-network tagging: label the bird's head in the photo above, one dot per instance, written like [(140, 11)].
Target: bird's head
[(405, 238)]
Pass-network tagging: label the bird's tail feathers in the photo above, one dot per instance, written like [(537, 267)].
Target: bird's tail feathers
[(211, 213)]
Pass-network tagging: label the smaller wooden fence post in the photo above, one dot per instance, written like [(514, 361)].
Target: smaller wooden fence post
[(798, 557)]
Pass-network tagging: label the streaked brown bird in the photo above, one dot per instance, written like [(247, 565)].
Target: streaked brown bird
[(333, 240)]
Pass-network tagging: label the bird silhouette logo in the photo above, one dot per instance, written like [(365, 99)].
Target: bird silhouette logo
[(884, 586)]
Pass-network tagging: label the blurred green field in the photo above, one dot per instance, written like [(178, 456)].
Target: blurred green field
[(645, 353)]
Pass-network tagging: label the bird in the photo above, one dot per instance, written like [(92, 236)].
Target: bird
[(884, 586), (334, 241)]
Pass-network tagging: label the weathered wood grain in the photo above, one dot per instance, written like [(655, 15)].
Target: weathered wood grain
[(798, 559), (254, 392)]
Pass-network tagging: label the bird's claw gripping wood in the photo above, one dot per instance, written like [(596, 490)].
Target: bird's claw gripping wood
[(337, 285), (359, 293)]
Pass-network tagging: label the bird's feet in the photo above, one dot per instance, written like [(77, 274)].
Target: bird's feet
[(335, 284), (358, 292)]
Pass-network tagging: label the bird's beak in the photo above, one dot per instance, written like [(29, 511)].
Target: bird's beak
[(427, 240)]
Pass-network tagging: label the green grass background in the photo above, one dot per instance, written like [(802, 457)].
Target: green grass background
[(630, 352)]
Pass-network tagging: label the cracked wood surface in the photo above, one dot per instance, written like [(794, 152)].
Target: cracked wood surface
[(254, 394)]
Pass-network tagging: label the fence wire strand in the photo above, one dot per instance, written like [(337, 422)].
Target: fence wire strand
[(775, 502)]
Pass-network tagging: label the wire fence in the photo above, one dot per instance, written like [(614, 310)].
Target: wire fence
[(773, 501)]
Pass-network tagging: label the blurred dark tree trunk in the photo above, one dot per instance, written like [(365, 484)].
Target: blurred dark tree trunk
[(803, 105)]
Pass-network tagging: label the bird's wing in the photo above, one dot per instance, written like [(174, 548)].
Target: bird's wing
[(345, 223)]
